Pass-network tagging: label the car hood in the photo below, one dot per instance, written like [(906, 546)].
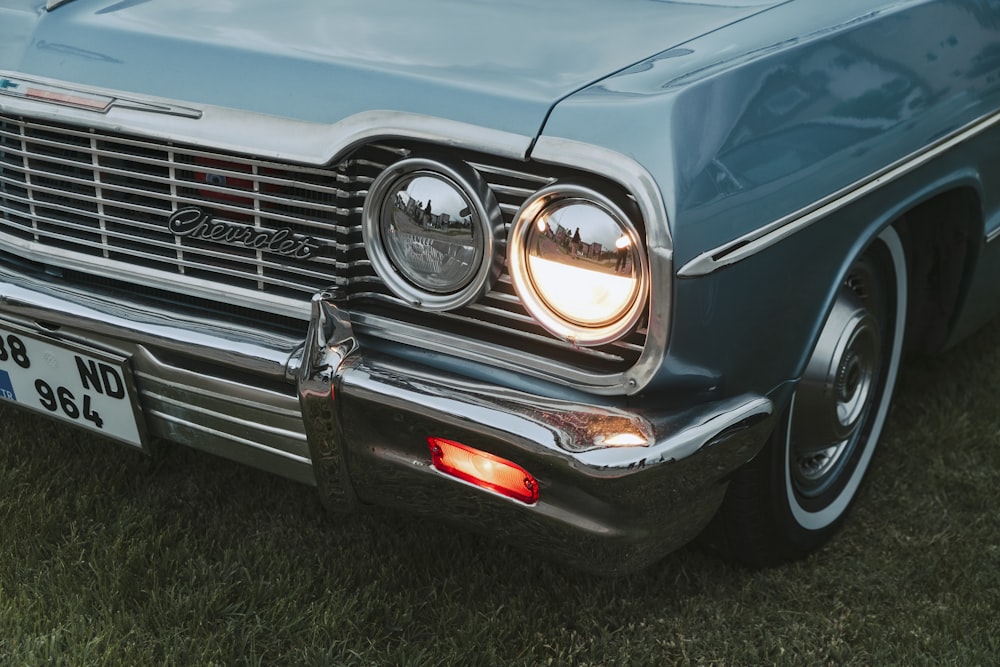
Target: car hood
[(502, 64)]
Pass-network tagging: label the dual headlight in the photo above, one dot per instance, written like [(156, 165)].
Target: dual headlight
[(436, 237)]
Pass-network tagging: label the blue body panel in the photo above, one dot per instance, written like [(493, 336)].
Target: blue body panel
[(324, 61), (738, 139), (18, 19)]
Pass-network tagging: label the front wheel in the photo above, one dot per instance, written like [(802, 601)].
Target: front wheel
[(793, 496)]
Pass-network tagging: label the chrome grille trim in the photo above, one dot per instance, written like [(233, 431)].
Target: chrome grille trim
[(69, 198), (107, 197), (256, 425)]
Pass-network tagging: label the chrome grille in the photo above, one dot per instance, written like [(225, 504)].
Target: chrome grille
[(75, 197), (110, 197)]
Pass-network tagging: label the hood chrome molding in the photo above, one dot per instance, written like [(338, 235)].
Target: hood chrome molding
[(52, 4), (41, 90)]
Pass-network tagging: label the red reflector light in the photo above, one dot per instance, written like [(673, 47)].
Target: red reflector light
[(483, 469)]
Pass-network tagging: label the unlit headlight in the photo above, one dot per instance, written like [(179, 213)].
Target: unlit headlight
[(433, 231), (578, 264)]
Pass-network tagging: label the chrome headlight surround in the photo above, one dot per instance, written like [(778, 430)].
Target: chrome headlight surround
[(434, 256), (588, 288)]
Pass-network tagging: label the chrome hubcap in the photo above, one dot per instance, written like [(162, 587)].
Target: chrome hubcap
[(835, 394)]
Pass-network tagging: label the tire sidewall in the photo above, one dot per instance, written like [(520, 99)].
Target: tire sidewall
[(803, 526)]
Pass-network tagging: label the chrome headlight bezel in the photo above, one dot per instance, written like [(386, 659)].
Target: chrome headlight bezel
[(579, 330), (487, 230)]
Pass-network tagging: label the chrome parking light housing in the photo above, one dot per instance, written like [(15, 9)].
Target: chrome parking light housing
[(434, 233), (579, 264)]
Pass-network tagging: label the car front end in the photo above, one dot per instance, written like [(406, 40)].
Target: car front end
[(403, 294)]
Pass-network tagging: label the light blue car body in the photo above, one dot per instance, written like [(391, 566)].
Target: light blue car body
[(779, 139)]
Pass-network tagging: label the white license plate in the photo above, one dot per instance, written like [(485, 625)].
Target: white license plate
[(72, 383)]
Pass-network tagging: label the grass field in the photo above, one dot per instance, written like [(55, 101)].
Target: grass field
[(107, 558)]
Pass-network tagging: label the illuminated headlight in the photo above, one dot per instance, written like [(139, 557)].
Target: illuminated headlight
[(578, 264), (434, 233)]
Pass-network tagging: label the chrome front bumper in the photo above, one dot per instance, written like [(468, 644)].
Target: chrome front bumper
[(601, 507), (355, 422)]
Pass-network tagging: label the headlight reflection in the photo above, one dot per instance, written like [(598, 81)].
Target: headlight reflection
[(577, 263)]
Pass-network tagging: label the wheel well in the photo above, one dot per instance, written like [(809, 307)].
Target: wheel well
[(939, 235)]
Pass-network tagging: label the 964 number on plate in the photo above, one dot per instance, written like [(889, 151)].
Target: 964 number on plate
[(66, 381)]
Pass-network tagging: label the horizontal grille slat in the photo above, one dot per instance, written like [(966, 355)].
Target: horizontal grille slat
[(63, 136), (151, 177), (94, 196), (111, 189)]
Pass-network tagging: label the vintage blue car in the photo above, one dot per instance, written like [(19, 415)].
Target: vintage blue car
[(588, 276)]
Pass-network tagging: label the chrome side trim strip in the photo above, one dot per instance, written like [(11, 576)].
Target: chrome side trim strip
[(251, 133), (778, 230), (993, 235)]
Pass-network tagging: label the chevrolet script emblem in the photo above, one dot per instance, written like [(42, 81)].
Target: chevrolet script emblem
[(196, 223)]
